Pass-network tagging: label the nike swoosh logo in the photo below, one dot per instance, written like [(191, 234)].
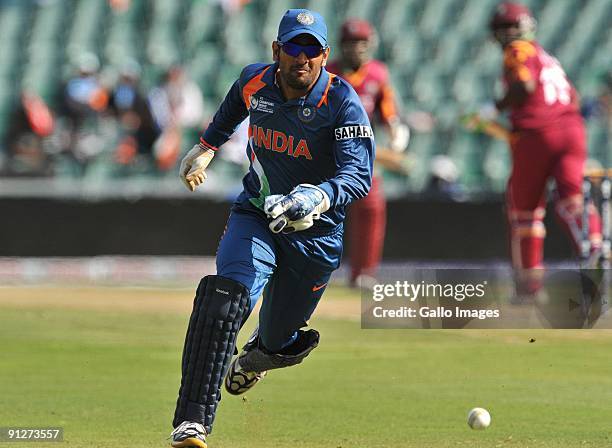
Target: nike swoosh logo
[(316, 288)]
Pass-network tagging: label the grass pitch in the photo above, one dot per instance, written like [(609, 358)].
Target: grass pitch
[(104, 364)]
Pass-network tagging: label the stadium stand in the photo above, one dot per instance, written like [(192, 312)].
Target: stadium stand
[(442, 60)]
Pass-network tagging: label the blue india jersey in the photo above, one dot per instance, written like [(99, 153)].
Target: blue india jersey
[(323, 139)]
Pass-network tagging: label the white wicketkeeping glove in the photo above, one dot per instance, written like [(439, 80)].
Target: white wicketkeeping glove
[(297, 210), (400, 136), (193, 166)]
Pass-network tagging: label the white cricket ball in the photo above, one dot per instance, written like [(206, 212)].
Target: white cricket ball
[(479, 418)]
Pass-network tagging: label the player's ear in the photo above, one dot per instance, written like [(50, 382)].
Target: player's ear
[(325, 56), (275, 51)]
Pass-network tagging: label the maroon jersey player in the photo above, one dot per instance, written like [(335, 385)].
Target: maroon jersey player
[(370, 79), (547, 141)]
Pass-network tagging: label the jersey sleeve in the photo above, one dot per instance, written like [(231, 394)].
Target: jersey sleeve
[(228, 117), (354, 151), (520, 61), (387, 104)]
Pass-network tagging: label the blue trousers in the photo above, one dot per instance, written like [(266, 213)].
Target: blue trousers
[(290, 270)]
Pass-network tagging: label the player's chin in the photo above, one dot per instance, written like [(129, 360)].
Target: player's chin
[(299, 82)]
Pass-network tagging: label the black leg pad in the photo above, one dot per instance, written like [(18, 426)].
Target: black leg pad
[(219, 308)]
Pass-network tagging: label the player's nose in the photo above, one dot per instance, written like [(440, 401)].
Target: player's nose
[(301, 58)]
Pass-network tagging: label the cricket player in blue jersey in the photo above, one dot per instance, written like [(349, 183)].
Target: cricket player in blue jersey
[(311, 149)]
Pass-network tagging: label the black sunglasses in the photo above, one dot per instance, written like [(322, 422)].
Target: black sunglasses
[(294, 50)]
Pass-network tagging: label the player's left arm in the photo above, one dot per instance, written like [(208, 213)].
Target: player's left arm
[(354, 151)]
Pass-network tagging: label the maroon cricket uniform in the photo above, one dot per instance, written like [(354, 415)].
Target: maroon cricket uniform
[(367, 217), (548, 140)]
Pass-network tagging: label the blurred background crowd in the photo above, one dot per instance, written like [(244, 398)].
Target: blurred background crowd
[(104, 91)]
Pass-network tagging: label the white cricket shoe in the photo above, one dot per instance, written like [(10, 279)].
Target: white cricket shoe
[(189, 434)]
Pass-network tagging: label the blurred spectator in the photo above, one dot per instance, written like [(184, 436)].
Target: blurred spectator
[(138, 128), (442, 183), (233, 161), (421, 121), (178, 101), (82, 99), (600, 108), (178, 108), (234, 150), (30, 123)]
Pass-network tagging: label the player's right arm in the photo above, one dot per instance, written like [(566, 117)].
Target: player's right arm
[(228, 117), (520, 59)]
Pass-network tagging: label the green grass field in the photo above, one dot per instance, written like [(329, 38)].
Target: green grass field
[(108, 373)]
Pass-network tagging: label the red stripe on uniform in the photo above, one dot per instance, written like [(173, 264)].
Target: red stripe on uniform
[(207, 145)]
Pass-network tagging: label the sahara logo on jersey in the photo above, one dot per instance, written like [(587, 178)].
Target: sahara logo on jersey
[(279, 142), (348, 132)]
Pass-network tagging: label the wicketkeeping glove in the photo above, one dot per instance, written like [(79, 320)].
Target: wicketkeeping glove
[(400, 136), (193, 166), (297, 210)]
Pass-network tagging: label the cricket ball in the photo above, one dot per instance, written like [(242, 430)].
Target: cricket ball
[(479, 418)]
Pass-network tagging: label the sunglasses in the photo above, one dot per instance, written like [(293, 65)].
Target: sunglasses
[(294, 50)]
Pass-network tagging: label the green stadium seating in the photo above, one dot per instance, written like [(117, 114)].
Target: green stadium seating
[(598, 141), (437, 15), (496, 164), (448, 115), (87, 28), (13, 20), (488, 59), (472, 21), (203, 26), (362, 9), (327, 8), (270, 19), (123, 40), (551, 21), (585, 33), (203, 68), (440, 54), (396, 24), (407, 50), (40, 70), (241, 48), (422, 146), (467, 88), (428, 87)]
